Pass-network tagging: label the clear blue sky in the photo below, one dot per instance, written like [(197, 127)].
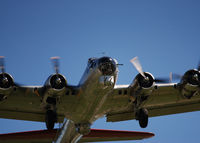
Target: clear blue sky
[(165, 35)]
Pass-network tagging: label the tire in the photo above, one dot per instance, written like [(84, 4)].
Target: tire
[(50, 119), (143, 118)]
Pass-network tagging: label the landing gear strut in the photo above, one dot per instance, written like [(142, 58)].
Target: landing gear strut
[(50, 119), (142, 116)]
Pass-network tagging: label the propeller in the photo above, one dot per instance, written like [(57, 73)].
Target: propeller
[(6, 80), (2, 67), (176, 76), (198, 66), (136, 63), (55, 62), (162, 80), (2, 64)]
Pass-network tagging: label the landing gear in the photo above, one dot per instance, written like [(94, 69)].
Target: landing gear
[(142, 116), (50, 119), (83, 129)]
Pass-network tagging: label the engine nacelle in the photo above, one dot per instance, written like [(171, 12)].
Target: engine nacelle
[(141, 85), (6, 85), (6, 81), (190, 83), (56, 84)]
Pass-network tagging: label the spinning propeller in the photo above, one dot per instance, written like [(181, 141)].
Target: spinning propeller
[(4, 79), (55, 62), (2, 64), (57, 81), (136, 63), (176, 76)]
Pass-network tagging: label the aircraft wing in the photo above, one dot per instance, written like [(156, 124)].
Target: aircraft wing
[(96, 135), (162, 99), (22, 103), (26, 103)]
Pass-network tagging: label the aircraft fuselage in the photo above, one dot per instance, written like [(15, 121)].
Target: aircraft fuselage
[(97, 82)]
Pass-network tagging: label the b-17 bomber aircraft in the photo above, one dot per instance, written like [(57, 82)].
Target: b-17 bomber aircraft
[(95, 96)]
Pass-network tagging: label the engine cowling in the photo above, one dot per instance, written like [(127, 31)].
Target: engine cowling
[(58, 81), (6, 81), (190, 83), (141, 82), (6, 85), (56, 84), (191, 77), (144, 83), (141, 85)]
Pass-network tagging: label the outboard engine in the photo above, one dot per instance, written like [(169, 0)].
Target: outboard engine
[(6, 81), (190, 83), (6, 85)]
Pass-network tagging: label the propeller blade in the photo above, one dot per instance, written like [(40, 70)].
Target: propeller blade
[(170, 77), (176, 76), (2, 64), (137, 65), (55, 62), (161, 80), (198, 67)]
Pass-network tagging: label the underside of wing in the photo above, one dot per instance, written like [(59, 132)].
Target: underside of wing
[(96, 135), (37, 103), (30, 102), (165, 99), (25, 104)]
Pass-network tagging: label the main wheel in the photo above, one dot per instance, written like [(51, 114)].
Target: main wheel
[(50, 119), (143, 118)]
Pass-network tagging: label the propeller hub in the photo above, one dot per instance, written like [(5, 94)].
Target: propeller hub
[(145, 82), (5, 80), (195, 77), (58, 81), (191, 77)]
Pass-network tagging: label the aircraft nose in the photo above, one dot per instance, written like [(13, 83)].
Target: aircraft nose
[(107, 65)]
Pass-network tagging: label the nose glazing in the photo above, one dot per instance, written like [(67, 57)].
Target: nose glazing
[(107, 65)]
